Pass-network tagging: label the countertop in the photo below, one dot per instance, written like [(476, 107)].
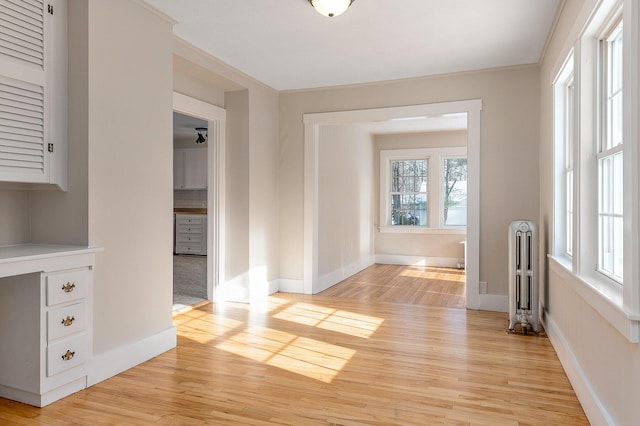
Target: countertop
[(28, 258), (190, 210)]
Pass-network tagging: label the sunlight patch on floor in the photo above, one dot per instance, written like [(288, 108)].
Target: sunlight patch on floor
[(435, 274), (300, 355), (202, 331), (353, 324)]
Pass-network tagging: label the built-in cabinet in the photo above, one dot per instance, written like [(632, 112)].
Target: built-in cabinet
[(190, 168), (191, 234), (45, 321), (33, 88)]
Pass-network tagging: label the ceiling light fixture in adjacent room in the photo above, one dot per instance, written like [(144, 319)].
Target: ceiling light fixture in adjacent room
[(330, 8), (203, 134)]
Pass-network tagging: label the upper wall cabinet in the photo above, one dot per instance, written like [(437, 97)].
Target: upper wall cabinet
[(33, 92), (190, 168)]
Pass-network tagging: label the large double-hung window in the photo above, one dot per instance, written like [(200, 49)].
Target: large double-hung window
[(423, 190), (610, 157), (596, 198)]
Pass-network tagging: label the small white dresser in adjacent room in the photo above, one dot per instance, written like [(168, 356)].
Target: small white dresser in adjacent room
[(46, 321), (191, 234)]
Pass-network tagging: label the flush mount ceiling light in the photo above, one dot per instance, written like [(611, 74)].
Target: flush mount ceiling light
[(203, 134), (330, 8)]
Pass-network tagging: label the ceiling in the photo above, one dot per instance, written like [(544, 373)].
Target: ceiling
[(286, 45), (184, 128)]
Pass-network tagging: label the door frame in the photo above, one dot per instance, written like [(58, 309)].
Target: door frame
[(312, 123), (216, 117)]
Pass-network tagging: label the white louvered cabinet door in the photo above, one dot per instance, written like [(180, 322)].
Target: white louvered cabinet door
[(33, 91)]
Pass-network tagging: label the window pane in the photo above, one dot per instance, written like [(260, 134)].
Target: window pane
[(569, 211), (615, 121), (610, 216), (613, 71), (455, 191), (409, 192), (409, 209)]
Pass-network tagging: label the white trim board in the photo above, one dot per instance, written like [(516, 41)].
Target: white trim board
[(341, 274), (216, 194), (441, 262), (286, 285), (312, 123), (109, 364), (593, 408)]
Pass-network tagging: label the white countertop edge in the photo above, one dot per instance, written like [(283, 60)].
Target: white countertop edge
[(26, 252)]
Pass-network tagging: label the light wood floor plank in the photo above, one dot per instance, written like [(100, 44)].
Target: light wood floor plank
[(343, 358)]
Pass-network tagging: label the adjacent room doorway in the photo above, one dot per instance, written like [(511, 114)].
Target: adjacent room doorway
[(313, 123), (213, 225)]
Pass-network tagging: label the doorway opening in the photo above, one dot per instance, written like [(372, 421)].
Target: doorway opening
[(314, 125), (199, 172), (190, 171)]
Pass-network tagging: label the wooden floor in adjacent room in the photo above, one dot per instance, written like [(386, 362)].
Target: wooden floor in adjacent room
[(417, 285), (325, 360)]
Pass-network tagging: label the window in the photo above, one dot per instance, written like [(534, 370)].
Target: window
[(564, 111), (423, 190), (409, 192), (454, 206), (610, 181), (596, 198)]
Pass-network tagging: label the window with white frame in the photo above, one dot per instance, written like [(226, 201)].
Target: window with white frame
[(409, 192), (610, 157), (564, 120), (596, 199), (454, 192), (423, 189)]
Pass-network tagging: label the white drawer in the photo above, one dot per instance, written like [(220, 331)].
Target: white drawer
[(194, 248), (66, 354), (66, 321), (189, 238), (189, 220), (67, 286), (189, 229)]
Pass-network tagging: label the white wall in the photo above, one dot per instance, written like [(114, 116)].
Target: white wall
[(130, 163), (603, 366), (509, 139), (264, 235), (237, 181), (14, 214), (345, 202), (418, 245)]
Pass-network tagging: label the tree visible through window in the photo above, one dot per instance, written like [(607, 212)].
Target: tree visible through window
[(455, 192), (409, 192)]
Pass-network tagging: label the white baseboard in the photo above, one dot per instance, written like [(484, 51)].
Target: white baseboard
[(442, 262), (493, 302), (290, 286), (340, 274), (273, 286), (109, 364), (47, 397), (236, 289), (593, 408)]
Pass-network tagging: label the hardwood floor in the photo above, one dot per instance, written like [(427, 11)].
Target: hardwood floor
[(318, 360), (417, 285)]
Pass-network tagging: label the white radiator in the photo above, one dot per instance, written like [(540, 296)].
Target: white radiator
[(523, 276)]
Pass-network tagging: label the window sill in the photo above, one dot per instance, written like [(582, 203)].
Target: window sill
[(605, 299), (421, 230)]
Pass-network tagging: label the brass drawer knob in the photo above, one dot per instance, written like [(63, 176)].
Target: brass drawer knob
[(68, 321), (68, 356), (68, 287)]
